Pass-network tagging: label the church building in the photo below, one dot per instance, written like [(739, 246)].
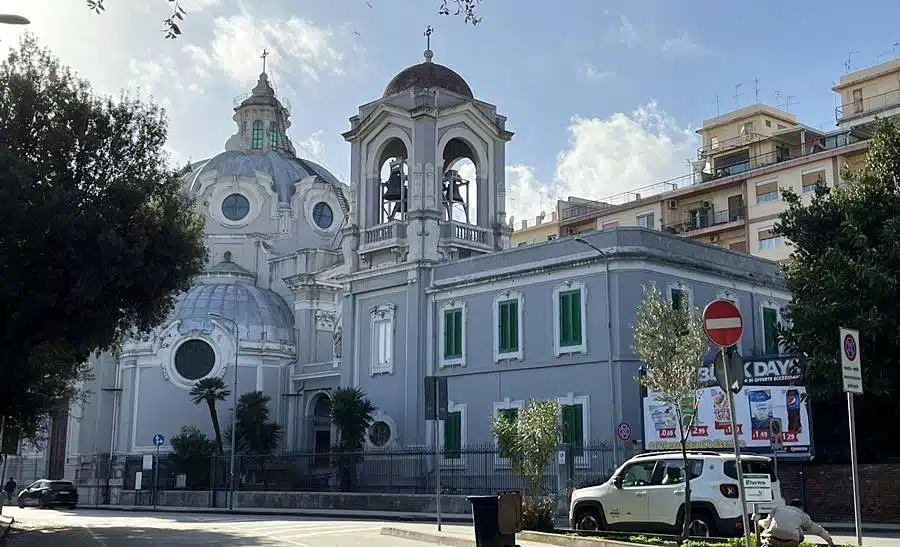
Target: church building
[(401, 274)]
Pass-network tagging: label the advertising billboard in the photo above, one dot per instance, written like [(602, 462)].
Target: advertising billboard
[(773, 388)]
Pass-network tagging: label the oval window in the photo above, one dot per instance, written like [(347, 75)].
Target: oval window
[(235, 207), (323, 216), (194, 359)]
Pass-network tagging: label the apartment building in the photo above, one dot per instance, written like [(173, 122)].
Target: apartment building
[(747, 158), (538, 230)]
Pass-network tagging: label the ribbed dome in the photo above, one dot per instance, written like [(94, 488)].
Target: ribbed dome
[(425, 75), (261, 315)]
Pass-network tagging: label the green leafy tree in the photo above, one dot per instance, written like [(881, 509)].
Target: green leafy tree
[(98, 237), (351, 412), (845, 272), (192, 454), (467, 9), (671, 342), (529, 441), (210, 391)]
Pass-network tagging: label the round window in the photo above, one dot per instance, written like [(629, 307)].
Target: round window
[(194, 359), (379, 434), (235, 207), (323, 216)]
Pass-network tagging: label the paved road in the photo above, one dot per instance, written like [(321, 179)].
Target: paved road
[(89, 528)]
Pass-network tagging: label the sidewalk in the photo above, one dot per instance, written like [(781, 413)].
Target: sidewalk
[(451, 535), (850, 526), (325, 513)]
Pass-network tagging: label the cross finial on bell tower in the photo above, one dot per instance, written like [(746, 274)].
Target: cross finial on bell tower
[(428, 53), (265, 54)]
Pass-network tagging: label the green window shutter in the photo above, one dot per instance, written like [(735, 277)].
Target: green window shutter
[(678, 300), (453, 333), (511, 414), (453, 436), (570, 318), (770, 331), (509, 326), (573, 432)]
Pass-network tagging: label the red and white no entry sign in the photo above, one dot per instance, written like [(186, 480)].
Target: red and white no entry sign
[(722, 323)]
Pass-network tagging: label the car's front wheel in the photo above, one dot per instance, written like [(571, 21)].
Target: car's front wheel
[(589, 520), (21, 504)]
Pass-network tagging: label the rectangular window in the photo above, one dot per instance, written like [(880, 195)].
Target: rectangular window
[(768, 240), (714, 142), (570, 318), (811, 180), (857, 101), (511, 414), (767, 191), (573, 428), (509, 326), (453, 335), (453, 436), (770, 330), (383, 346), (679, 298), (645, 220)]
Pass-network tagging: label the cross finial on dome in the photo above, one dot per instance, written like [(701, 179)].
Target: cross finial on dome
[(265, 54), (428, 53)]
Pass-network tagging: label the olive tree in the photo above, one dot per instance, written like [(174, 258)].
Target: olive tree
[(529, 439), (670, 340)]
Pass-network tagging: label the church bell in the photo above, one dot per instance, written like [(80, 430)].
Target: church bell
[(393, 186), (452, 184)]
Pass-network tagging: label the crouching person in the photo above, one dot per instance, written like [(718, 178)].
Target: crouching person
[(786, 526)]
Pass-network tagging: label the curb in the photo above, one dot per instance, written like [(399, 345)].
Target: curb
[(9, 524), (337, 514), (427, 537)]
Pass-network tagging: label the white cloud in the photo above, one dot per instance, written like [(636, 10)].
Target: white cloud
[(192, 6), (294, 44), (684, 46), (626, 32), (605, 157), (162, 79), (593, 73), (313, 146)]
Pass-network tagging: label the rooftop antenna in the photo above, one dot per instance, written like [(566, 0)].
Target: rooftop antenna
[(265, 54), (894, 48), (878, 57), (849, 57), (777, 99), (790, 101), (737, 94), (718, 106), (756, 88)]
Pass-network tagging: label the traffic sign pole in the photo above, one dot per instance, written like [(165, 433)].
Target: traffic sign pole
[(724, 326), (851, 374)]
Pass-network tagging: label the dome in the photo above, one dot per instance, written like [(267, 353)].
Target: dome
[(428, 74), (284, 171), (261, 315)]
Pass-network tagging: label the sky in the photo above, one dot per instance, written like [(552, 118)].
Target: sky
[(603, 96)]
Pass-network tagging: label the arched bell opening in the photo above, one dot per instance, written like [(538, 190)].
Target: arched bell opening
[(459, 188), (394, 177)]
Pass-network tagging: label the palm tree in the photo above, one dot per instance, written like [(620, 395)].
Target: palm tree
[(256, 434), (351, 413), (211, 390)]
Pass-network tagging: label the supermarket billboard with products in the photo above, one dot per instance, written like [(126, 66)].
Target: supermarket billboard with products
[(773, 388)]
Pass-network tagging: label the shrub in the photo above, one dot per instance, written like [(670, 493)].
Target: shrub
[(538, 514)]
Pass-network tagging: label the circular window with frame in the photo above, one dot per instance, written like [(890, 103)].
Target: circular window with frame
[(236, 207), (323, 215), (380, 434), (194, 360)]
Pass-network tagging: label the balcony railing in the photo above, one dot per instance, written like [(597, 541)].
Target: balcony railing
[(465, 233), (705, 220), (593, 208), (868, 105), (728, 144), (384, 234)]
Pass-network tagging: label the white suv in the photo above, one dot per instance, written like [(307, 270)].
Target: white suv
[(646, 494)]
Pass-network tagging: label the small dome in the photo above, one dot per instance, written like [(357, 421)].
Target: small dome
[(428, 74), (261, 315)]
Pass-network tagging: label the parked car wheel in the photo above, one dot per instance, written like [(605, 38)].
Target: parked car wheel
[(21, 504), (589, 520), (702, 525)]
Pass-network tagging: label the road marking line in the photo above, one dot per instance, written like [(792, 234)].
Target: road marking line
[(97, 538), (341, 531)]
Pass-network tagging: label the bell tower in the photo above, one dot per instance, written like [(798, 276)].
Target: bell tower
[(427, 172)]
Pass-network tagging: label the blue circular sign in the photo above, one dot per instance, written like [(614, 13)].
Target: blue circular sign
[(159, 440), (850, 347)]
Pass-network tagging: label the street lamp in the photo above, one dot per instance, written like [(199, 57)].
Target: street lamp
[(613, 387), (9, 19), (233, 407)]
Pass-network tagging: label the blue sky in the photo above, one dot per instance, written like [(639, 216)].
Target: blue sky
[(603, 96)]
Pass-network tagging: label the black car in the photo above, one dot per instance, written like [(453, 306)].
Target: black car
[(46, 493)]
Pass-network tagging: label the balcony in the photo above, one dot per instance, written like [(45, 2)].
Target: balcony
[(887, 104), (729, 144), (585, 210), (708, 222), (467, 235), (383, 236)]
